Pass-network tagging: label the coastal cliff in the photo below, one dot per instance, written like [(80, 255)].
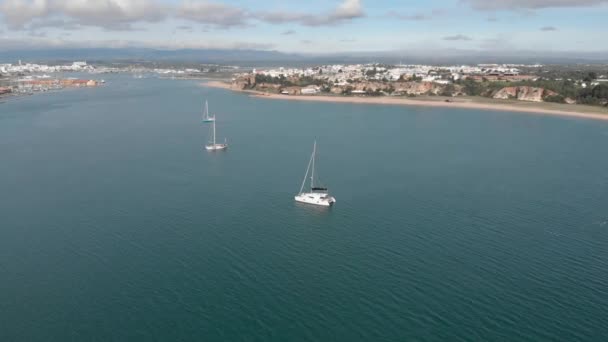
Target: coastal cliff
[(297, 86), (524, 93)]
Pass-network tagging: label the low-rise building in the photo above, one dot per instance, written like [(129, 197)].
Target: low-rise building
[(311, 90)]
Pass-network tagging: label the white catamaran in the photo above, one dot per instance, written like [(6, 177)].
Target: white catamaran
[(206, 116), (213, 145), (317, 195)]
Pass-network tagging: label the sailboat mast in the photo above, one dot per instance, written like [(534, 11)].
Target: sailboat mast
[(312, 174), (206, 110), (214, 133), (306, 175)]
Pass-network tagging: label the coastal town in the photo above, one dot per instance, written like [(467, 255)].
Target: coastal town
[(27, 78), (531, 83), (576, 84), (24, 78)]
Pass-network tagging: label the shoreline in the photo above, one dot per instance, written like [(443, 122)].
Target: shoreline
[(524, 107)]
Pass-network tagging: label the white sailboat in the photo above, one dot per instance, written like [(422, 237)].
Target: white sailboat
[(317, 195), (206, 116), (213, 145)]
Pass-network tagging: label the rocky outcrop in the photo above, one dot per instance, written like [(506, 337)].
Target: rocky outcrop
[(337, 90), (530, 94), (418, 88), (371, 86), (243, 82), (548, 92), (269, 87), (523, 93), (506, 93)]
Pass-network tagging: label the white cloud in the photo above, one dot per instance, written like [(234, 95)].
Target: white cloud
[(108, 14), (123, 14), (347, 10), (112, 13), (213, 13), (16, 13), (457, 37), (530, 4)]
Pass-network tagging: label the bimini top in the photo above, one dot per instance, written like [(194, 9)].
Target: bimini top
[(319, 189)]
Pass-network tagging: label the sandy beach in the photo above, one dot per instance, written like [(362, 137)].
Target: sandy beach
[(575, 111)]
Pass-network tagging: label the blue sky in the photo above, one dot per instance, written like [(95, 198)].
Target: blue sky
[(313, 26)]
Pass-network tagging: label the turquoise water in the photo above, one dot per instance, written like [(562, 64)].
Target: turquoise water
[(459, 225)]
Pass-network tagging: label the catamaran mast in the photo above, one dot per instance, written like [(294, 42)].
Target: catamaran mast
[(312, 175), (306, 175), (213, 132)]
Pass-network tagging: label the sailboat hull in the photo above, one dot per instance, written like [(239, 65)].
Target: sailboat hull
[(216, 147), (209, 120), (313, 198)]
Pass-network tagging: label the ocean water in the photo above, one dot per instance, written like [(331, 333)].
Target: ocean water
[(450, 225)]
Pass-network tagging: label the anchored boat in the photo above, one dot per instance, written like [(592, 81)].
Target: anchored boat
[(317, 195), (213, 145)]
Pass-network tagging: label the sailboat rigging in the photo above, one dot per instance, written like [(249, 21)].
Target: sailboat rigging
[(213, 145), (206, 116), (317, 195)]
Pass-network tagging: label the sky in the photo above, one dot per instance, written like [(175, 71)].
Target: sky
[(308, 26)]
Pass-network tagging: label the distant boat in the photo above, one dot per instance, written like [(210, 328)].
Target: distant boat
[(317, 195), (213, 145), (206, 116)]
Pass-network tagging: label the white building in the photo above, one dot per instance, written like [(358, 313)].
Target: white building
[(310, 90)]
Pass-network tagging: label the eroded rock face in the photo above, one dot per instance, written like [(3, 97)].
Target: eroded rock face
[(371, 86), (530, 94), (239, 85), (549, 93), (268, 87), (243, 82), (337, 90), (523, 93), (418, 88), (506, 93)]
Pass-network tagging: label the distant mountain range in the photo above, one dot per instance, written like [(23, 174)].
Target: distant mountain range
[(267, 57)]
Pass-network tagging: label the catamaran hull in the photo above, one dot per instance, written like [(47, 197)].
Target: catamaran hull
[(216, 147), (316, 201)]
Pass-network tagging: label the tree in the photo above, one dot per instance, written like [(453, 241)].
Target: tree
[(471, 87), (600, 91), (448, 90), (590, 77), (555, 98)]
